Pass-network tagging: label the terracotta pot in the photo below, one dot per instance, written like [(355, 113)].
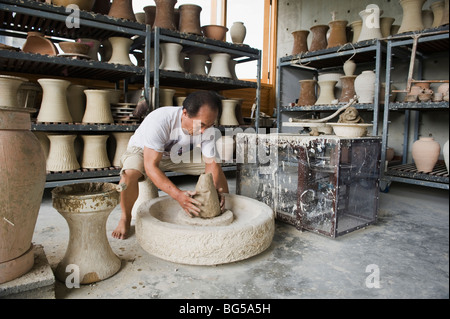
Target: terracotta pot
[(86, 5), (170, 57), (445, 18), (326, 95), (166, 97), (62, 156), (37, 43), (445, 153), (300, 41), (425, 152), (140, 17), (94, 46), (349, 67), (120, 50), (76, 100), (74, 47), (165, 14), (98, 107), (228, 117), (307, 93), (215, 32), (385, 25), (23, 179), (371, 23), (348, 88), (365, 86), (338, 35), (220, 65), (150, 12), (54, 107), (190, 19), (197, 63), (412, 15), (122, 9), (356, 28), (101, 6), (438, 12), (95, 154), (9, 87), (238, 31), (427, 18), (319, 37)]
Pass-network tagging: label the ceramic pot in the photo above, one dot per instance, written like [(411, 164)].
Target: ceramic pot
[(220, 65), (114, 96), (326, 95), (190, 19), (9, 88), (445, 153), (425, 152), (427, 18), (120, 50), (300, 41), (365, 86), (98, 107), (238, 111), (349, 67), (122, 9), (348, 88), (338, 33), (371, 23), (331, 77), (445, 18), (23, 177), (150, 12), (319, 37), (443, 88), (37, 43), (307, 93), (394, 29), (385, 25), (61, 155), (225, 148), (54, 106), (238, 31), (166, 97), (228, 117), (170, 60), (215, 32), (94, 46), (179, 100), (438, 12), (102, 6), (86, 207), (76, 100), (165, 14), (356, 28), (197, 63), (95, 154), (86, 5), (140, 17), (412, 15)]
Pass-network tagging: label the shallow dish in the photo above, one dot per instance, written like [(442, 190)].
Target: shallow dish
[(350, 129)]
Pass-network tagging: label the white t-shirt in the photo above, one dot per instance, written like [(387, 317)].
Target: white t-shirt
[(161, 131)]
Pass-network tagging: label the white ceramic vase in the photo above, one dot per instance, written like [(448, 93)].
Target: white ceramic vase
[(371, 23), (228, 117), (170, 57), (425, 153), (197, 64), (365, 86), (445, 153), (54, 107), (238, 32), (9, 86), (94, 151), (98, 107), (220, 65), (122, 139), (120, 50), (326, 95), (412, 15), (349, 67), (61, 156), (76, 100)]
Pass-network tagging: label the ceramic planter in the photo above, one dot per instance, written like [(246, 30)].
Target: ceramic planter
[(215, 32), (348, 88), (197, 64), (438, 13), (425, 152), (412, 15), (166, 97), (220, 65), (150, 12), (319, 37), (95, 154), (228, 117), (338, 33), (385, 25), (190, 19), (76, 100), (300, 41), (307, 93), (122, 9), (165, 14), (356, 28), (54, 107), (62, 156), (371, 23), (326, 95), (9, 87), (170, 57), (98, 107), (120, 50)]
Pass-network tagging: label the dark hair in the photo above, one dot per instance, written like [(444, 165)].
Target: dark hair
[(195, 100)]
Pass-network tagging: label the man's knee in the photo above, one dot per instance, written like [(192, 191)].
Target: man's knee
[(131, 176)]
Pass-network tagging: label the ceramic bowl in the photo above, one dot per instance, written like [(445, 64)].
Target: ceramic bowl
[(74, 47), (215, 32), (350, 129)]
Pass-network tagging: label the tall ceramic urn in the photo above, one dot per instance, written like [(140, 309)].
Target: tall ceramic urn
[(319, 37), (412, 15), (165, 14), (190, 19), (22, 175), (54, 107), (365, 86), (425, 152)]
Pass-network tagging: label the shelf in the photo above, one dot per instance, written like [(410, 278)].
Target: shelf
[(418, 105), (439, 173), (71, 127), (320, 108)]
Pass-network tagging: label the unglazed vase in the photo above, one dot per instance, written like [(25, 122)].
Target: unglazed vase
[(412, 15), (86, 5), (220, 65), (170, 57), (445, 18), (166, 97), (307, 93), (179, 100), (228, 117), (385, 25), (356, 28), (122, 9), (190, 19), (76, 100), (9, 87), (120, 50), (95, 153), (232, 67), (425, 153), (394, 29), (371, 23), (86, 207), (22, 176), (365, 86), (427, 18), (349, 67), (54, 107), (150, 12), (197, 64), (445, 153), (238, 31), (438, 12), (348, 88), (300, 41), (165, 14), (61, 155), (326, 95), (338, 33), (319, 37), (98, 107)]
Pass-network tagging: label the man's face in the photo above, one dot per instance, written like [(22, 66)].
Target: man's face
[(204, 119)]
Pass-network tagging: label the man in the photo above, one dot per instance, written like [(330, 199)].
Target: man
[(159, 141)]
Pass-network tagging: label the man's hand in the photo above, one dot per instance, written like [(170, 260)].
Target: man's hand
[(221, 199), (189, 204)]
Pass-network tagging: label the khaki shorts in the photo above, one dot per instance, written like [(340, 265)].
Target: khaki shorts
[(133, 158)]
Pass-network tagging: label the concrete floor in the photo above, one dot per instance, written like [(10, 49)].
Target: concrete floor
[(407, 250)]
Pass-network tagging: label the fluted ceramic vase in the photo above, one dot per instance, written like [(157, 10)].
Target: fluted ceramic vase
[(98, 107), (412, 15), (228, 117), (9, 86), (54, 107), (365, 87), (61, 155), (319, 37), (326, 95), (300, 41), (338, 33), (190, 19), (165, 14), (95, 154), (76, 100), (356, 28), (238, 31), (220, 65), (307, 93), (348, 88), (371, 23), (170, 60), (120, 50), (425, 152)]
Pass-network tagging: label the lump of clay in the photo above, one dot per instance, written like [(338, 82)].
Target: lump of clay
[(350, 115), (206, 194)]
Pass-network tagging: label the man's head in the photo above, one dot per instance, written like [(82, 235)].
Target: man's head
[(200, 111)]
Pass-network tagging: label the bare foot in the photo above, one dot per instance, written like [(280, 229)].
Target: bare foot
[(122, 229)]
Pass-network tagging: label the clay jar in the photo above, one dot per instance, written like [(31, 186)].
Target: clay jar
[(338, 35), (348, 88), (170, 60), (371, 23), (228, 117), (76, 100), (62, 156), (82, 4), (445, 18), (166, 97), (122, 9), (319, 37), (23, 177), (425, 152), (150, 12), (120, 50), (190, 19), (98, 108), (95, 154), (438, 12), (365, 86), (385, 25), (326, 95), (300, 41), (165, 14), (54, 107), (349, 67), (9, 86), (197, 63), (238, 32), (356, 28), (307, 93), (220, 65), (412, 15)]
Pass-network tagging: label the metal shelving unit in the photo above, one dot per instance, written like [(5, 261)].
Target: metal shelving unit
[(399, 47), (308, 65)]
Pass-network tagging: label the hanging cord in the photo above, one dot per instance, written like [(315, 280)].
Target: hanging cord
[(299, 59), (343, 46)]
